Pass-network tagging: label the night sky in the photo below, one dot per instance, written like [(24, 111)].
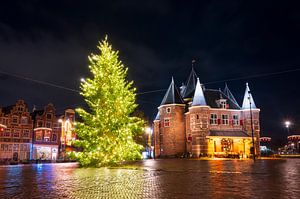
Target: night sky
[(50, 41)]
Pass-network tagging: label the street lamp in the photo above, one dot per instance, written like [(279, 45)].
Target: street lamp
[(287, 126), (252, 129)]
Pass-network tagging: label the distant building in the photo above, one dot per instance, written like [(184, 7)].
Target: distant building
[(205, 122), (265, 146), (68, 134), (15, 134), (293, 146), (46, 133)]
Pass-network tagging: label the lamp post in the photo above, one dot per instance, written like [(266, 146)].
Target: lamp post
[(252, 130), (62, 134), (287, 126)]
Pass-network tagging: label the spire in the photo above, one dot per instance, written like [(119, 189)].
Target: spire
[(190, 84), (172, 95), (199, 98), (247, 99), (230, 96)]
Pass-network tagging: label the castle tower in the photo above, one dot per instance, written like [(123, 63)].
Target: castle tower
[(169, 126), (249, 108), (197, 123)]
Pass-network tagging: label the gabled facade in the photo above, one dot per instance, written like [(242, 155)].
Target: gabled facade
[(46, 133), (15, 132), (205, 122)]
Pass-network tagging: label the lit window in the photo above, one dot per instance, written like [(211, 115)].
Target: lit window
[(47, 136), (213, 118), (38, 135), (167, 122), (168, 110), (235, 120), (225, 119)]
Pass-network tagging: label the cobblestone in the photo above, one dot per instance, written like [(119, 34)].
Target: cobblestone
[(155, 179)]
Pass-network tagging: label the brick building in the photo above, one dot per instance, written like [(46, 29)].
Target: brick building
[(15, 134), (205, 122), (46, 133)]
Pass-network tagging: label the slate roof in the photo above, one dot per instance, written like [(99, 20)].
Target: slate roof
[(211, 97), (6, 110), (36, 112), (172, 95), (190, 85), (198, 98), (228, 133), (246, 101), (228, 93)]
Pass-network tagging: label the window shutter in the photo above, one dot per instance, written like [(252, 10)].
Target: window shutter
[(241, 122)]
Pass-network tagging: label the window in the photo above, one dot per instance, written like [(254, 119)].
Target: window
[(213, 118), (16, 134), (235, 120), (47, 136), (48, 124), (40, 124), (225, 119), (49, 116), (14, 120), (167, 122), (6, 134), (24, 120), (26, 133), (38, 136), (54, 137), (20, 109), (168, 110), (223, 104)]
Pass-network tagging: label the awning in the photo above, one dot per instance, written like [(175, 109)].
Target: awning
[(220, 133)]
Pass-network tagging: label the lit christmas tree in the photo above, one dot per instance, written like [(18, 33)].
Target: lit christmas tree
[(108, 127)]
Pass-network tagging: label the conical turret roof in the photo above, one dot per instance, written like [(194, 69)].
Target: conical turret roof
[(172, 95), (199, 99), (248, 99)]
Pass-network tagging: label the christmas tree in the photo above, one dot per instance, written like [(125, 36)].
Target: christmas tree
[(108, 127)]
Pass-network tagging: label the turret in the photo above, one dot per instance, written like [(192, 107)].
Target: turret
[(249, 108), (197, 123), (169, 127)]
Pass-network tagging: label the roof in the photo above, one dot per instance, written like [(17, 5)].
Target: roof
[(228, 133), (248, 99), (230, 96), (172, 95), (6, 110), (212, 96), (190, 86), (198, 99), (36, 112), (157, 117)]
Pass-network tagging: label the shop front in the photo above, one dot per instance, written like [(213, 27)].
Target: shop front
[(45, 152)]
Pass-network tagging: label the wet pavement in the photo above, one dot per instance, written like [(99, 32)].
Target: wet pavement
[(173, 178)]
